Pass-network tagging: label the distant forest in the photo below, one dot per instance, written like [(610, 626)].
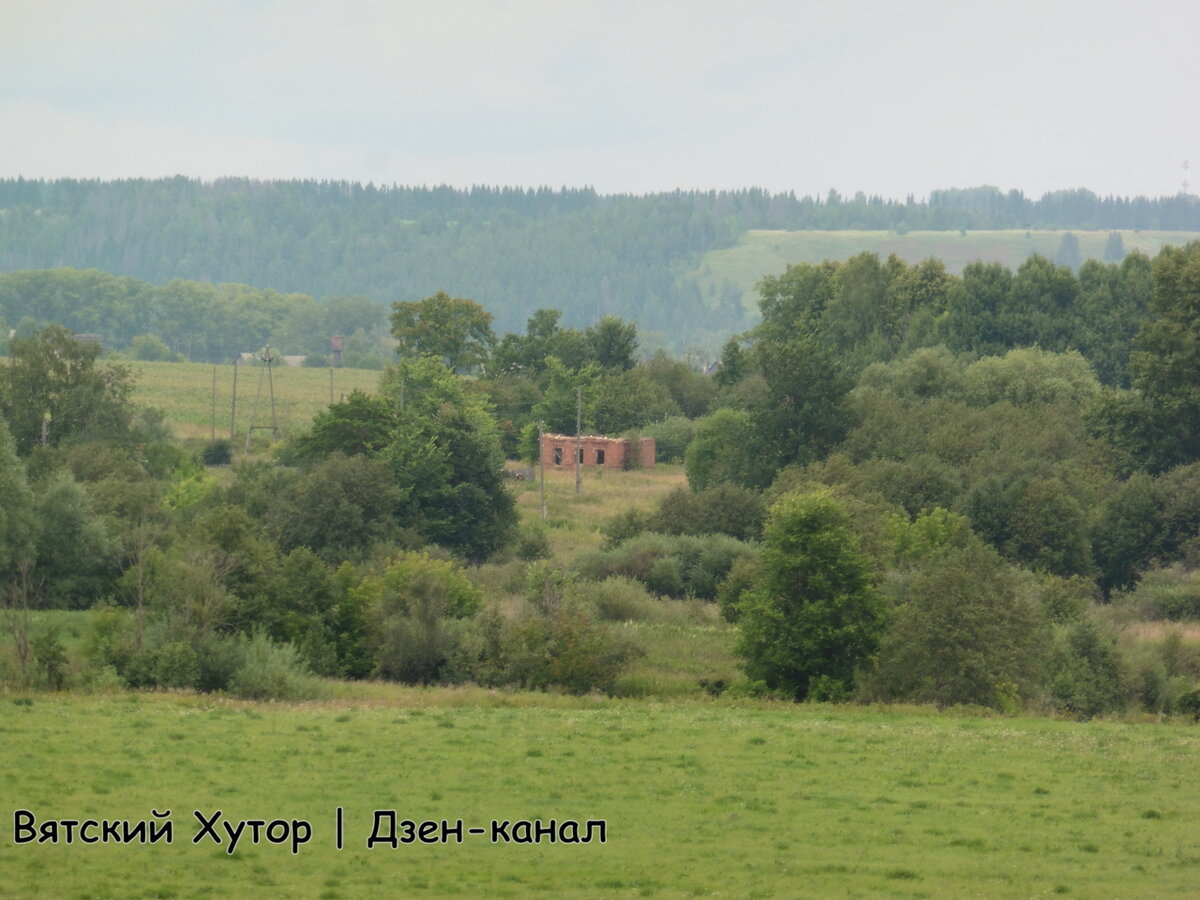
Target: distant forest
[(513, 250)]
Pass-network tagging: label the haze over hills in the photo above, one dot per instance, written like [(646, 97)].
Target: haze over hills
[(516, 250)]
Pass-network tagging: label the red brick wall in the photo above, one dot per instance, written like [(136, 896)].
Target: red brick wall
[(613, 450)]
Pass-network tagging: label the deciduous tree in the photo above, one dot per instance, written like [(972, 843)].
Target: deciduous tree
[(53, 391), (455, 330), (815, 616)]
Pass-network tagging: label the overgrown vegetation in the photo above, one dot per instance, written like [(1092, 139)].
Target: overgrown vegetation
[(904, 485)]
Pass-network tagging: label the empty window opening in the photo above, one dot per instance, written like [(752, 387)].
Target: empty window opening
[(599, 457)]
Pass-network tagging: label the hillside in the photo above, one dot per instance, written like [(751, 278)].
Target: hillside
[(513, 250), (735, 271)]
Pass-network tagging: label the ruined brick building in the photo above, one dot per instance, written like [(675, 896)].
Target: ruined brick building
[(558, 451)]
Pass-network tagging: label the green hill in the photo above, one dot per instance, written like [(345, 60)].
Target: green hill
[(514, 250), (733, 272)]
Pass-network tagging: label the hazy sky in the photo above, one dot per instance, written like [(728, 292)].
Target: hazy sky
[(884, 97)]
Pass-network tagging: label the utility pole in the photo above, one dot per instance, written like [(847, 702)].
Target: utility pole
[(542, 466), (267, 358), (212, 434), (578, 440), (233, 414)]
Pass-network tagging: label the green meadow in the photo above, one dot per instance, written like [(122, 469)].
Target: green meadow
[(185, 391), (700, 798), (760, 253)]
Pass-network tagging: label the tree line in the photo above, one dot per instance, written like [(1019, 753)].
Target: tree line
[(515, 250), (192, 320)]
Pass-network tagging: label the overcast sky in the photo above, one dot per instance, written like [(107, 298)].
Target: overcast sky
[(893, 98)]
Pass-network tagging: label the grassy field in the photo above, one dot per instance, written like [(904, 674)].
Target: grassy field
[(691, 642), (573, 520), (760, 253), (184, 391), (700, 799)]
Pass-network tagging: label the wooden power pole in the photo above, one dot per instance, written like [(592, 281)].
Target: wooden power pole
[(578, 440), (542, 467)]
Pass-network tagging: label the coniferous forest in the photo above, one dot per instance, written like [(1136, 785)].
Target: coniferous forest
[(514, 250)]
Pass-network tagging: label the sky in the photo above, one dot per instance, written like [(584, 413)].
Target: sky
[(888, 98)]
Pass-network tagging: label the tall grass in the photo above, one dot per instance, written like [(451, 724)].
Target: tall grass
[(573, 520)]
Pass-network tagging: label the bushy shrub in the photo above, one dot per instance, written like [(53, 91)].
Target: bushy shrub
[(217, 453), (1087, 671), (623, 526), (532, 543), (566, 649), (412, 606), (724, 449), (618, 599), (1171, 593), (557, 641), (665, 577), (633, 453), (721, 509), (920, 482), (926, 373), (150, 348), (218, 658), (105, 642), (417, 648), (814, 616), (675, 565), (671, 438), (1152, 683), (1066, 599), (1189, 703), (50, 656), (176, 665), (272, 671), (497, 579), (743, 575), (627, 600), (965, 635)]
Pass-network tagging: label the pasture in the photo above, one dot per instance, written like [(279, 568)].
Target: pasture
[(184, 392), (759, 253), (701, 798)]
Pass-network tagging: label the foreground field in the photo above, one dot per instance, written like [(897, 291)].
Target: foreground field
[(700, 799), (760, 253), (184, 391)]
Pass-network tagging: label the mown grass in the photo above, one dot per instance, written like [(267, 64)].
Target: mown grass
[(760, 253), (184, 392), (701, 798)]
